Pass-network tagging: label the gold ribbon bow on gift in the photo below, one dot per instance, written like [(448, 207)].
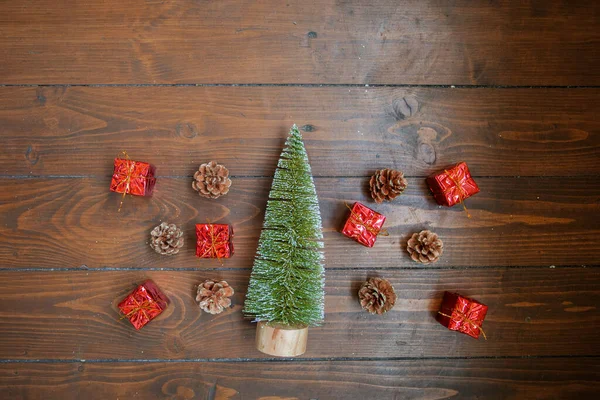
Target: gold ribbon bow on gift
[(462, 193), (143, 306), (463, 318), (212, 249), (357, 220), (127, 178)]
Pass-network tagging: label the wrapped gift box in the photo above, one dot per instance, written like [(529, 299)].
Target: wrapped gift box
[(462, 314), (452, 185), (144, 304), (133, 177), (363, 225), (214, 241)]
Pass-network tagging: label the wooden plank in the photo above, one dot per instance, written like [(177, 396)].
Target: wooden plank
[(315, 41), (424, 379), (72, 315), (348, 131), (65, 223)]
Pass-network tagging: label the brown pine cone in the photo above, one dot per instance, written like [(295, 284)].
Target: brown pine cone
[(213, 297), (387, 184), (425, 247), (377, 296), (212, 180), (166, 239)]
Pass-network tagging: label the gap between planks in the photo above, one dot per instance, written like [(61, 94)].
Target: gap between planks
[(314, 176), (281, 360), (194, 269), (304, 85)]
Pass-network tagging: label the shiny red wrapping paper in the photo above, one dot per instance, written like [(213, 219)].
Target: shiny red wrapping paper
[(467, 314), (452, 185), (363, 225), (214, 241), (133, 177), (144, 304)]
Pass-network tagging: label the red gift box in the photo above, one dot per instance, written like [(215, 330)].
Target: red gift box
[(462, 314), (363, 225), (133, 177), (452, 185), (214, 241), (144, 304)]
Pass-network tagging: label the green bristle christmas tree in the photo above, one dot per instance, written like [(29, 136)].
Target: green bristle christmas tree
[(286, 291)]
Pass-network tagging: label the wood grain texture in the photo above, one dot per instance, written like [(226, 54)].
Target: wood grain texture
[(511, 379), (73, 315), (348, 131), (66, 223), (318, 41), (233, 76)]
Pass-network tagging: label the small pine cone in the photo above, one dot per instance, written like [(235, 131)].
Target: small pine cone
[(166, 239), (387, 184), (212, 180), (213, 297), (377, 295), (425, 247)]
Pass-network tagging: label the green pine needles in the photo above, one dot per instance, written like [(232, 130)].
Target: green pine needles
[(288, 276)]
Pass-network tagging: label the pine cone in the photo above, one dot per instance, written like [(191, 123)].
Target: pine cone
[(166, 239), (425, 247), (212, 180), (377, 296), (387, 184), (213, 297)]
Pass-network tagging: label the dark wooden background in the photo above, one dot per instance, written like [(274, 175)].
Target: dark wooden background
[(511, 87)]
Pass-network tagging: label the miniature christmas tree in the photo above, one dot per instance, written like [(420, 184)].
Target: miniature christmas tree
[(286, 291)]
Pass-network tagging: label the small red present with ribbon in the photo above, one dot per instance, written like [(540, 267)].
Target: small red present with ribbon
[(462, 314), (144, 304), (453, 185), (364, 225), (133, 177), (214, 241)]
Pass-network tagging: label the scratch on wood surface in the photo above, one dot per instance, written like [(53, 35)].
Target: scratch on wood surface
[(251, 28), (579, 309), (549, 136), (277, 398), (488, 219), (525, 304)]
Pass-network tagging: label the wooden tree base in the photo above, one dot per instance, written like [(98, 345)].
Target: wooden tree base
[(281, 340)]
